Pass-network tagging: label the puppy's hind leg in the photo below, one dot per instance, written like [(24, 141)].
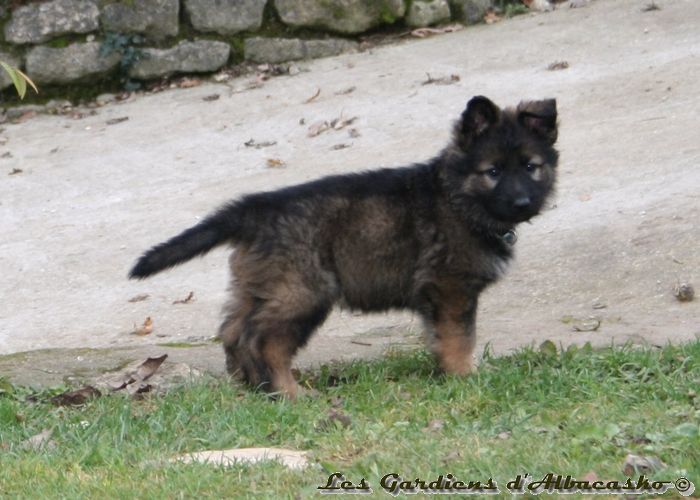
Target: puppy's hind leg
[(231, 333), (276, 333), (262, 335)]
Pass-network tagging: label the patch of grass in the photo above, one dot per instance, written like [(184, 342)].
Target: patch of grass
[(572, 412)]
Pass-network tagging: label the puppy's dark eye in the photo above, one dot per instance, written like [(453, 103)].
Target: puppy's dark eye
[(494, 172), (531, 167)]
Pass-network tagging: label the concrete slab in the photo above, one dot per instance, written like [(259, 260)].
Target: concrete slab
[(623, 229)]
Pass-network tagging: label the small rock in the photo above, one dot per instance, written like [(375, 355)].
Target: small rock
[(314, 49), (41, 21), (635, 465), (20, 111), (156, 19), (104, 99), (470, 11), (586, 325), (277, 50), (69, 64), (348, 16), (598, 304), (58, 104), (684, 292), (186, 57), (40, 441), (427, 12), (222, 76), (225, 17)]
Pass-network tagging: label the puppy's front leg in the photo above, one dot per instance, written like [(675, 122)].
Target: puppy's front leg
[(454, 334)]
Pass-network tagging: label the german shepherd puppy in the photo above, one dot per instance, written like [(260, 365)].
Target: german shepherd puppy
[(428, 237)]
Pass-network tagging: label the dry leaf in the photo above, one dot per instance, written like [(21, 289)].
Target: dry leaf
[(16, 171), (186, 300), (340, 146), (188, 83), (492, 17), (444, 80), (225, 458), (210, 98), (425, 32), (313, 97), (138, 388), (76, 398), (346, 91), (434, 425), (557, 65), (139, 298), (258, 145), (114, 121), (144, 329), (318, 128), (334, 416), (451, 457), (340, 123), (142, 373), (149, 367), (275, 163), (357, 342)]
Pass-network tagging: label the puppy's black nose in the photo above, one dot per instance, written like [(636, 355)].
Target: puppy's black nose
[(522, 202)]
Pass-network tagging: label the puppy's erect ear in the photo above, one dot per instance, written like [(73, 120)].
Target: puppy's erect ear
[(540, 117), (477, 118)]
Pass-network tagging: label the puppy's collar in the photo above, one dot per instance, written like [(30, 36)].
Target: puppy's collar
[(509, 237)]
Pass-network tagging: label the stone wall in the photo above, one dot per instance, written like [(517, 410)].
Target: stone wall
[(59, 42)]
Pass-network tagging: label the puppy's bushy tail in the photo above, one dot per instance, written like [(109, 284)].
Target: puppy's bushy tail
[(221, 227)]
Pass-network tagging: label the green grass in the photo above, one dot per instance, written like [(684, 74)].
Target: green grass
[(535, 412)]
